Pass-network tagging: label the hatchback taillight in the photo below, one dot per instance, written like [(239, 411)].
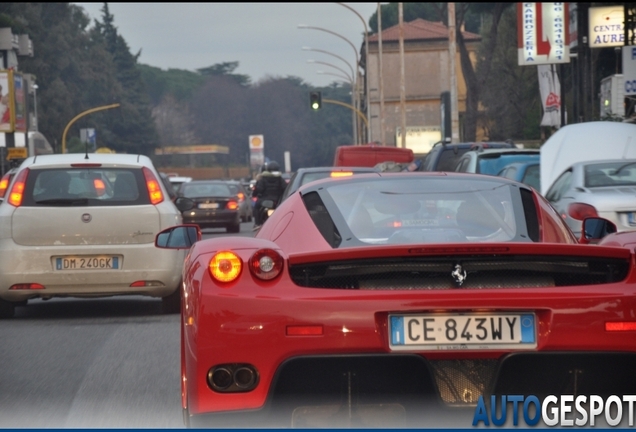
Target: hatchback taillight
[(4, 184), (154, 190), (580, 211), (17, 190)]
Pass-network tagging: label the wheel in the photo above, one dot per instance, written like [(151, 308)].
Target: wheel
[(7, 309), (234, 228), (171, 304)]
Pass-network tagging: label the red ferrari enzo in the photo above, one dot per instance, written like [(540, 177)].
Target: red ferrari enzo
[(399, 300)]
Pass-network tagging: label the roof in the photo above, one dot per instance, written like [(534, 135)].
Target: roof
[(81, 158), (420, 29)]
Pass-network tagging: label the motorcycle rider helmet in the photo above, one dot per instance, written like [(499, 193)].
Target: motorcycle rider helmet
[(272, 166)]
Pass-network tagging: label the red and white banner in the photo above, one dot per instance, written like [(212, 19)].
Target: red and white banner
[(550, 89), (543, 33)]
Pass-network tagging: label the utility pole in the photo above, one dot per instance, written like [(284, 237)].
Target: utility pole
[(452, 52), (380, 76), (402, 80)]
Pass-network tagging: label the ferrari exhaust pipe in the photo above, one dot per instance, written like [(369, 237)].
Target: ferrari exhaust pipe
[(245, 377), (232, 378)]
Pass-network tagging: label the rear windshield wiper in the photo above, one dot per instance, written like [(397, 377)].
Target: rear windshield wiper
[(64, 201)]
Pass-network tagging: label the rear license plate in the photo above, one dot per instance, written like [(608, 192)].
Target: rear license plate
[(462, 331), (102, 262), (209, 206)]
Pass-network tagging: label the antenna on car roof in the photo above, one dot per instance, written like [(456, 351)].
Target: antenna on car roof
[(86, 147)]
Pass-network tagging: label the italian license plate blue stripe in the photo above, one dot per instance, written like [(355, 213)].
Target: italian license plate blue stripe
[(58, 263), (397, 330), (115, 262), (527, 329)]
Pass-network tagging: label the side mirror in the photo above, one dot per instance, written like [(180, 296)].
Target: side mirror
[(184, 204), (594, 229), (178, 237)]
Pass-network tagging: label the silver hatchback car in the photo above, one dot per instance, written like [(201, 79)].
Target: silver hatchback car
[(72, 226), (602, 188)]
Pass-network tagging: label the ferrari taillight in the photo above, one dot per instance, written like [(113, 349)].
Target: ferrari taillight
[(232, 205), (580, 211), (17, 190), (154, 190), (225, 266), (266, 264), (4, 184)]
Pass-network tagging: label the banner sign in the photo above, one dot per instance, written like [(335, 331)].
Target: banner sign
[(543, 33), (550, 89)]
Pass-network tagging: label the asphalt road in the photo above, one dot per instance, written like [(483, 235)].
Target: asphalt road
[(92, 363)]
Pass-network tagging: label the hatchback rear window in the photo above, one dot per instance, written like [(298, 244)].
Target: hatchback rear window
[(86, 186)]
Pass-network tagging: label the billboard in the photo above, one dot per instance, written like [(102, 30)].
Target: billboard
[(606, 28), (543, 33), (12, 102)]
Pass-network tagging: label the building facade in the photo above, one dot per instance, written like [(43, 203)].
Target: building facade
[(427, 75)]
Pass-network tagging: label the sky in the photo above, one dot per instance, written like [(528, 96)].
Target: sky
[(263, 37)]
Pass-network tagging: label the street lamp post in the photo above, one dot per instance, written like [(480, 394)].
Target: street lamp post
[(356, 89), (80, 115), (366, 60), (354, 117)]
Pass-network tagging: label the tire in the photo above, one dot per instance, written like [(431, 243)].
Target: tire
[(234, 228), (7, 309), (171, 304)]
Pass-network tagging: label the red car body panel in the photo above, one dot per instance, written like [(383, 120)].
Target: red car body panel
[(246, 321)]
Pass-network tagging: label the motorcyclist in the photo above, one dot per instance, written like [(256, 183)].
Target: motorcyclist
[(270, 186)]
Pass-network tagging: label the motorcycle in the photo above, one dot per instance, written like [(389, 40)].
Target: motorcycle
[(265, 211)]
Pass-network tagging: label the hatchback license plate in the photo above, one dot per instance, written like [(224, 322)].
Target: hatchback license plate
[(101, 262), (462, 331)]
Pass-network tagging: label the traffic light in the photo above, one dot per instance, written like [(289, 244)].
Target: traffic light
[(315, 100)]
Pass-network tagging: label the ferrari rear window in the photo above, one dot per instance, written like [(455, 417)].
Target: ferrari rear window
[(430, 210)]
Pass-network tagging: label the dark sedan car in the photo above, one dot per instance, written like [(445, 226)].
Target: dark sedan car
[(216, 206)]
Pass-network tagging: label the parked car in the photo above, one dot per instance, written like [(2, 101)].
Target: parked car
[(524, 172), (585, 142), (444, 156), (245, 204), (306, 175), (215, 205), (398, 300), (492, 161), (85, 227), (601, 188)]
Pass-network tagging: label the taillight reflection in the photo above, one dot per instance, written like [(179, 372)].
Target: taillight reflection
[(580, 211), (17, 190), (100, 187), (341, 173), (266, 264), (154, 190)]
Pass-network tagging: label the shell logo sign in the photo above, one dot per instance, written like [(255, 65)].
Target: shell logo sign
[(256, 141)]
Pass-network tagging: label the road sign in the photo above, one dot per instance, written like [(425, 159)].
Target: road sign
[(17, 153)]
